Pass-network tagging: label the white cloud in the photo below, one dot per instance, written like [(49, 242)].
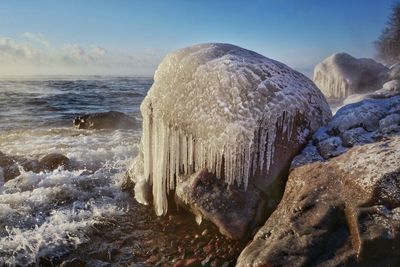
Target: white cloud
[(36, 38), (76, 54), (34, 55), (12, 51), (97, 52)]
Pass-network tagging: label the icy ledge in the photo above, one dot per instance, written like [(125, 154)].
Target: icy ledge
[(222, 108)]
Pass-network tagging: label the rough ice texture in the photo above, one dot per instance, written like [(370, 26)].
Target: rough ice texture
[(393, 85), (344, 212), (389, 89), (394, 72), (341, 75), (367, 121), (218, 107)]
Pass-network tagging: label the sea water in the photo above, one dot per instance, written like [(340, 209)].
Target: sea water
[(49, 214)]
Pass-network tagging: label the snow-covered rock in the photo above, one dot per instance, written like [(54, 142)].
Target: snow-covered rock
[(341, 75), (344, 212), (367, 121), (389, 89), (229, 113), (355, 98), (393, 85)]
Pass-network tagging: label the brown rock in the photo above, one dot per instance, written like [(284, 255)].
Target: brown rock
[(53, 161), (152, 259), (10, 164), (340, 213), (207, 248), (193, 262)]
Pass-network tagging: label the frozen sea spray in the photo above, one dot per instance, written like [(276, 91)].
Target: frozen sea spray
[(341, 75), (222, 108)]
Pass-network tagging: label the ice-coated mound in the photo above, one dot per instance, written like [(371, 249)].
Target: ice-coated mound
[(341, 75), (218, 107)]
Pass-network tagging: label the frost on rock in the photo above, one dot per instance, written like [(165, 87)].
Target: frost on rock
[(367, 121), (394, 72), (218, 107), (341, 75), (393, 85)]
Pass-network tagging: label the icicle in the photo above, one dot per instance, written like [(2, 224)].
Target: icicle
[(190, 152), (159, 181), (270, 147), (172, 165), (199, 218), (176, 151), (184, 155), (147, 145)]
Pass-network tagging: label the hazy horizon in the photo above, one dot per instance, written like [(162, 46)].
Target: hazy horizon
[(130, 38)]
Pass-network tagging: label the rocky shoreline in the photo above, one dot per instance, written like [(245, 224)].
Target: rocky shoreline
[(341, 199), (252, 170), (139, 238)]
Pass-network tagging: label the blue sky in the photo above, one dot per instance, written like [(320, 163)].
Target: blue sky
[(131, 37)]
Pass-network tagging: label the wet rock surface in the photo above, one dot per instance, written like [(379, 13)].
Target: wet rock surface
[(139, 238), (10, 164), (344, 212), (231, 208), (105, 120), (53, 161)]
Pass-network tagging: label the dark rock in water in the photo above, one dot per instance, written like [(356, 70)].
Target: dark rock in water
[(53, 161), (9, 170), (345, 212), (9, 165), (105, 120)]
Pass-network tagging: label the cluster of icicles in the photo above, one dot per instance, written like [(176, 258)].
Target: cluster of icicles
[(336, 87), (169, 152)]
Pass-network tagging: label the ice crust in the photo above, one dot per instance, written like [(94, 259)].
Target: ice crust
[(218, 106), (341, 75)]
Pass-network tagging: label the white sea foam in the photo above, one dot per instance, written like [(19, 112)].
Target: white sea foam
[(48, 213)]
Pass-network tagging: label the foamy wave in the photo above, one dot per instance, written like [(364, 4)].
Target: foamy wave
[(50, 213)]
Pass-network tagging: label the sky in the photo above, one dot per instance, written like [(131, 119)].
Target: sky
[(100, 37)]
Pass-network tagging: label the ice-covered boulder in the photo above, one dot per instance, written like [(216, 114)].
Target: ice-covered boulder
[(220, 120), (341, 75), (345, 212)]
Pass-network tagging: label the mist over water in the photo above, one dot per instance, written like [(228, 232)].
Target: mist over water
[(48, 214)]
